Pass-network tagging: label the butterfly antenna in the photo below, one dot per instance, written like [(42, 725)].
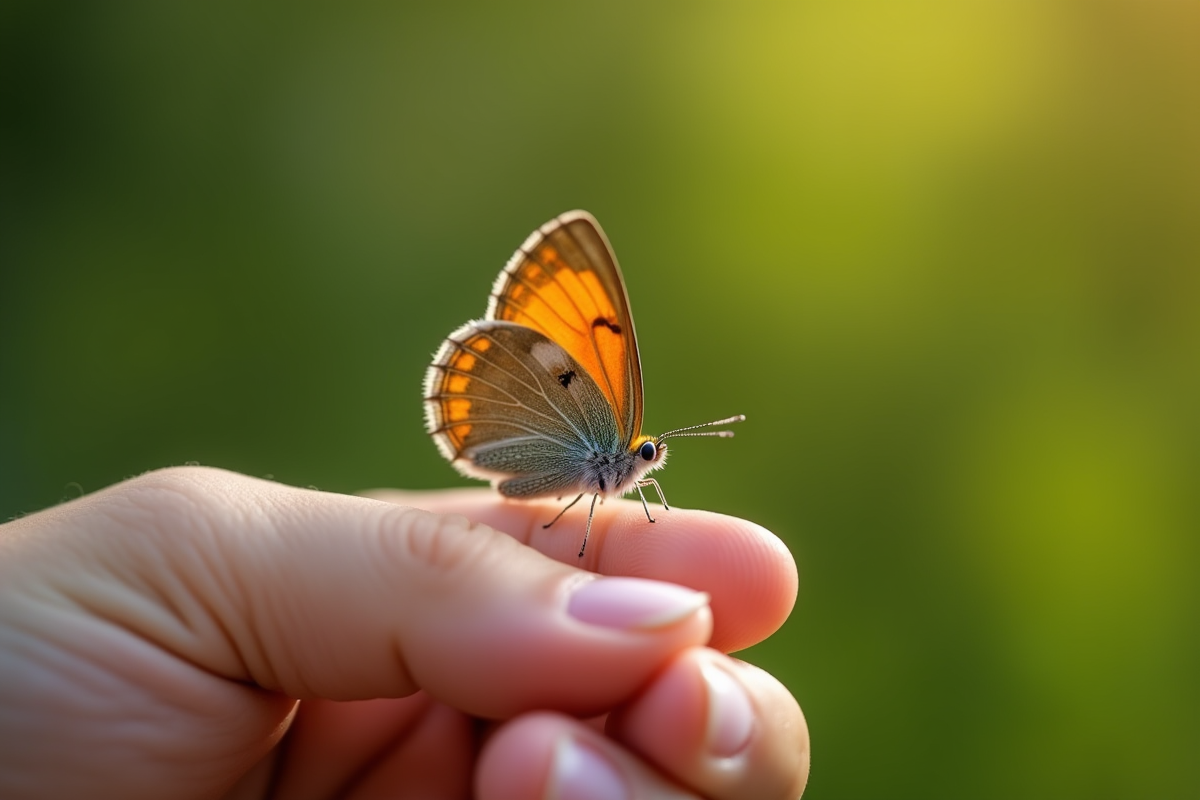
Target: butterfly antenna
[(682, 432)]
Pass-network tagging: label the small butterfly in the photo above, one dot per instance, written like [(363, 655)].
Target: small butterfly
[(543, 397)]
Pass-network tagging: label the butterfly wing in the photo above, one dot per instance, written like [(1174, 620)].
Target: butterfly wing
[(505, 403), (564, 282)]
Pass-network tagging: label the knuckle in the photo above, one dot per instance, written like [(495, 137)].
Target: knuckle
[(171, 486), (177, 512), (167, 500)]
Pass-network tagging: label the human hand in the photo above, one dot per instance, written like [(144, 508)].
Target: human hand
[(155, 637)]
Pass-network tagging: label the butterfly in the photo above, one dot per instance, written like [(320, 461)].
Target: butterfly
[(543, 396)]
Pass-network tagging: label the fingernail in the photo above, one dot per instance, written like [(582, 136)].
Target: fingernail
[(730, 715), (633, 603), (580, 772)]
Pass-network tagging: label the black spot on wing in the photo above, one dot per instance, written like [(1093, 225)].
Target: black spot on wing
[(566, 378), (601, 322)]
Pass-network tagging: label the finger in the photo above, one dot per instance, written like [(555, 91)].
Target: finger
[(558, 758), (745, 569), (322, 595), (720, 726)]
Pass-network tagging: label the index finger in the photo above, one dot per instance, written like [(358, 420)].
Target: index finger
[(747, 571)]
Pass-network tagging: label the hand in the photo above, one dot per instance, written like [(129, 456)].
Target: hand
[(155, 637)]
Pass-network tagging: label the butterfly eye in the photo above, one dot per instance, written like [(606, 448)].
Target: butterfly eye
[(648, 451)]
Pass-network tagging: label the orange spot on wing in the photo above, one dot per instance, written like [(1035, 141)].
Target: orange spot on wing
[(464, 362), (548, 255), (458, 409), (480, 344), (458, 434), (534, 274), (457, 384)]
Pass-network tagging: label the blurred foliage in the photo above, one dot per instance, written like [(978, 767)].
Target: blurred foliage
[(945, 256)]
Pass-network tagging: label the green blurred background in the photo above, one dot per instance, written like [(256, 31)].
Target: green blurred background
[(945, 256)]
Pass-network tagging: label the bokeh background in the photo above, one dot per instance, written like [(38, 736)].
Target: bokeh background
[(945, 256)]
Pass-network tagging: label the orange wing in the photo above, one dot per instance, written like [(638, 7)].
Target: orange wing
[(565, 283)]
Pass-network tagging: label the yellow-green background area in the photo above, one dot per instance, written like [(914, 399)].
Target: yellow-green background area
[(944, 256)]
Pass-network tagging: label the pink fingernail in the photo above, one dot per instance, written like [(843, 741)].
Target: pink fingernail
[(580, 772), (633, 603), (730, 715)]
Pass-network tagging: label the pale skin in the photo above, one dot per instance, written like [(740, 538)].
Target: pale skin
[(194, 633)]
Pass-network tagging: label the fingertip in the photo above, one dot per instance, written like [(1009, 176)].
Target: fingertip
[(558, 758), (746, 569), (515, 762), (719, 725), (676, 697)]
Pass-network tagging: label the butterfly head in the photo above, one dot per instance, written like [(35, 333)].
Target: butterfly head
[(650, 449)]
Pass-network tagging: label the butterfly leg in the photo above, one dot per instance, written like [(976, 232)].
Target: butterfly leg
[(657, 488), (565, 510), (588, 529), (645, 507)]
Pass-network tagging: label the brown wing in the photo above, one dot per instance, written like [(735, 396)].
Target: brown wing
[(564, 282), (503, 401)]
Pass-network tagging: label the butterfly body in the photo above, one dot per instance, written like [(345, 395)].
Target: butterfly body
[(543, 397)]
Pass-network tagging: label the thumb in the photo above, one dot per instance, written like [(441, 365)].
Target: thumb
[(321, 595)]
